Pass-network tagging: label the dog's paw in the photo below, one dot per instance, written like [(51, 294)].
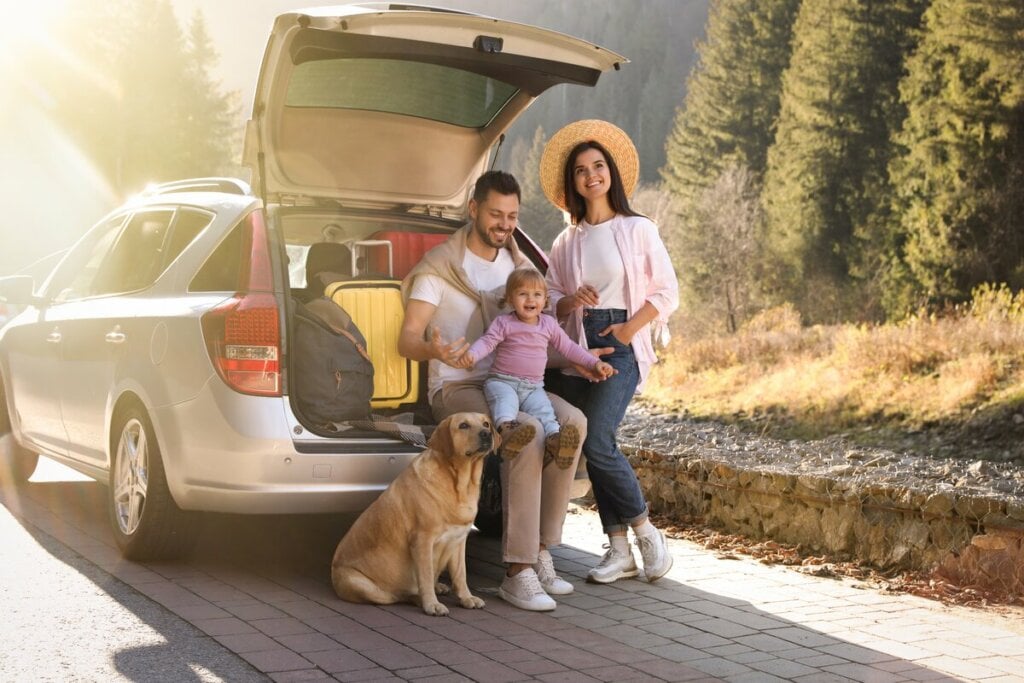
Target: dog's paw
[(471, 602), (442, 588), (435, 610)]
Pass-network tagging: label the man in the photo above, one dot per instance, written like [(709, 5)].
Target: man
[(450, 298)]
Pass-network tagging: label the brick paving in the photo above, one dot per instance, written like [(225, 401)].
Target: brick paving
[(709, 619)]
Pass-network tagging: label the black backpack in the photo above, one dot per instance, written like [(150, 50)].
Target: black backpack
[(332, 376)]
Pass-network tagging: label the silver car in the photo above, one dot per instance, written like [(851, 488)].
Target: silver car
[(156, 356)]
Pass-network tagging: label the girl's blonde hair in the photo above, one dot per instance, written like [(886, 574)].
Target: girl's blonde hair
[(524, 277)]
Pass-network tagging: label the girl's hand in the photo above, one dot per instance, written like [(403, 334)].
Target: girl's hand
[(585, 295), (620, 331), (604, 369), (463, 362), (595, 374)]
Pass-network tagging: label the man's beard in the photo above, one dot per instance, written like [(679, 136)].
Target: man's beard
[(485, 236)]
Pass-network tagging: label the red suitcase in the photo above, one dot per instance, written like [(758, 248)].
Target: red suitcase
[(406, 250)]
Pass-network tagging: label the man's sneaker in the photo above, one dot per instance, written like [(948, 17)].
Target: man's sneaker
[(613, 566), (656, 557), (551, 582), (525, 592), (514, 437)]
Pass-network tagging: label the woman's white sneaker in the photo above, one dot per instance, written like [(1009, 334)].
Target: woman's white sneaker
[(655, 554), (525, 592), (615, 565), (551, 582)]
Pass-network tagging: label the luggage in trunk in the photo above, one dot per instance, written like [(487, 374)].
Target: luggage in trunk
[(407, 248), (376, 308)]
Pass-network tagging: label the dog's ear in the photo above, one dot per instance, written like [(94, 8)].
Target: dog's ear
[(441, 439), (495, 435)]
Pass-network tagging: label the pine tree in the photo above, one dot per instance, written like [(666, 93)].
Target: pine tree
[(143, 106), (732, 97), (151, 75), (211, 122), (656, 36), (826, 172), (960, 176), (539, 218)]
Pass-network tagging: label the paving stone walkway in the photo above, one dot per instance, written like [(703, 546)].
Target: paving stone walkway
[(708, 619)]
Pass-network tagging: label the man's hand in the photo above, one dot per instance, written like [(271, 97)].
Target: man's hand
[(446, 353)]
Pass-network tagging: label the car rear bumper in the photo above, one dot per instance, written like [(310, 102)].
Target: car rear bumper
[(227, 452)]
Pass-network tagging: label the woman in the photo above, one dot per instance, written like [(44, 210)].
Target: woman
[(610, 278)]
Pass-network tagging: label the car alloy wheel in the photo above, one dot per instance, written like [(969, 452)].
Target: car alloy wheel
[(147, 523), (131, 479)]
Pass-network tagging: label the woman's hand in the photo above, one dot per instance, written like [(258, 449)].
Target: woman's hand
[(585, 295), (604, 369), (599, 372), (621, 331)]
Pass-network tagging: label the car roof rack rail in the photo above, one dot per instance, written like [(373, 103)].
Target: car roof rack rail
[(213, 184)]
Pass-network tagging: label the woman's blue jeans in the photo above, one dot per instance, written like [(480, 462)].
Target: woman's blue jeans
[(620, 501)]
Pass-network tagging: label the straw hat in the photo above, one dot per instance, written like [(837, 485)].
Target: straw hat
[(611, 137)]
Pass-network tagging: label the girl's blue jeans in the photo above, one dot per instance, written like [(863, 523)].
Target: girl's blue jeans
[(507, 394)]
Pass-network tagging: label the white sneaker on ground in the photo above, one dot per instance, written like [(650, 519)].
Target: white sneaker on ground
[(551, 582), (655, 554), (525, 592), (613, 566)]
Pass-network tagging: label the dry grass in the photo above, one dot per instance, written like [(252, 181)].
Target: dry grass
[(925, 370)]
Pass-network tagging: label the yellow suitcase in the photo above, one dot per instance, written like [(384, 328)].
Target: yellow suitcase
[(376, 309)]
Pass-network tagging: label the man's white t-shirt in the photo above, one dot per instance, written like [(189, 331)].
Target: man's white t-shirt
[(454, 306)]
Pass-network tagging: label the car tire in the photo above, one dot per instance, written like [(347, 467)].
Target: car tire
[(146, 522), (16, 463)]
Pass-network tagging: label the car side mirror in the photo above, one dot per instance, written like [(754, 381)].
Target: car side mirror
[(18, 289)]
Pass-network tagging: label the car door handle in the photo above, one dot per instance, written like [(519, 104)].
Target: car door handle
[(54, 337), (115, 336)]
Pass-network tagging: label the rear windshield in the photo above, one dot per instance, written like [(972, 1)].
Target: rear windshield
[(430, 91)]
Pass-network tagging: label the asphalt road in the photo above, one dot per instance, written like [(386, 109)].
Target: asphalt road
[(65, 619)]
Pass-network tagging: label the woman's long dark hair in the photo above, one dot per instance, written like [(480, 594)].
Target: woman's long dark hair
[(574, 202)]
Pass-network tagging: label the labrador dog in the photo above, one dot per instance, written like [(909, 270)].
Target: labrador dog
[(399, 546)]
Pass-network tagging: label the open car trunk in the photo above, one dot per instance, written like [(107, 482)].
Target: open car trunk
[(370, 125), (396, 108)]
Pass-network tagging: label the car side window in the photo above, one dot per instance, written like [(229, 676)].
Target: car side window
[(72, 278), (137, 257), (187, 226), (221, 271)]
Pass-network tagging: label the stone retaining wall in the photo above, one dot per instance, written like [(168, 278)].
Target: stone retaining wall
[(884, 525)]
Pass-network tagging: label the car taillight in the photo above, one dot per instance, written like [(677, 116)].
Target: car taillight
[(243, 334)]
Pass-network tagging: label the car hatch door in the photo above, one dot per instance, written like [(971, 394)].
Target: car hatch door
[(399, 108)]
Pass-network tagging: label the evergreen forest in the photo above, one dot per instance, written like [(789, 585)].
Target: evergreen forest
[(865, 157)]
